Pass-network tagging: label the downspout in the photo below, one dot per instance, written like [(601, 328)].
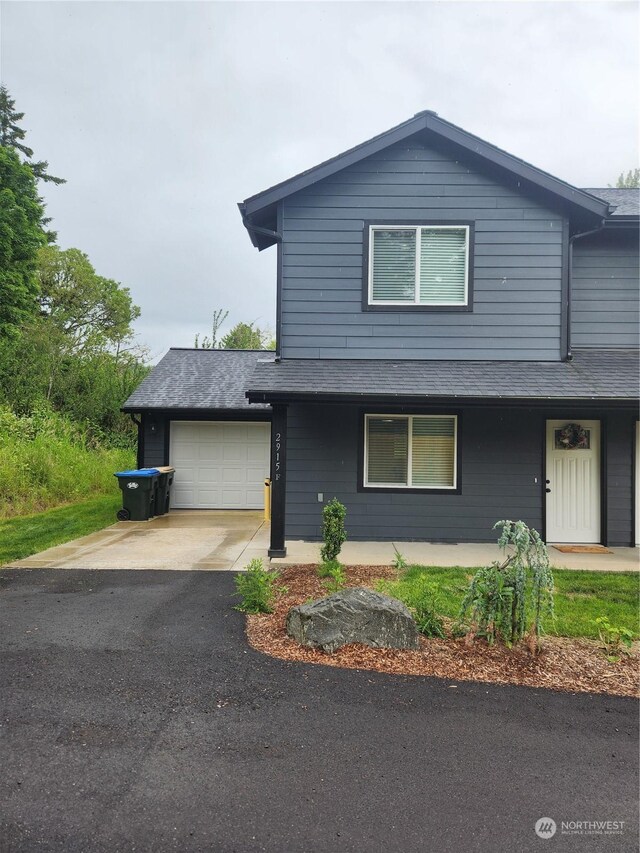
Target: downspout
[(277, 236), (578, 236), (140, 449)]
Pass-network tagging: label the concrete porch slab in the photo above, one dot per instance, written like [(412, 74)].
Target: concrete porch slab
[(449, 554), (200, 540)]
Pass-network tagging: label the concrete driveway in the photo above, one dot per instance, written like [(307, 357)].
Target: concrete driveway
[(136, 717), (182, 539)]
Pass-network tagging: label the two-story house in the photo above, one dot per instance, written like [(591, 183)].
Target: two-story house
[(457, 342)]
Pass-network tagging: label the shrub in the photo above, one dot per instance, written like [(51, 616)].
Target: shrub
[(503, 599), (336, 577), (257, 588), (333, 532), (328, 567), (615, 639)]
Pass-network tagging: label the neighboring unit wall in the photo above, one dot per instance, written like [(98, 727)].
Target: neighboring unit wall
[(605, 294), (517, 270), (501, 455), (619, 439)]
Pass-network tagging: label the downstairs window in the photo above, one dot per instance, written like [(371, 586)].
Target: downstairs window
[(410, 451)]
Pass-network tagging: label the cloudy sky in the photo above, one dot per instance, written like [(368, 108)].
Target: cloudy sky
[(162, 116)]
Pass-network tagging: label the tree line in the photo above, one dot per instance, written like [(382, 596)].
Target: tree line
[(66, 332)]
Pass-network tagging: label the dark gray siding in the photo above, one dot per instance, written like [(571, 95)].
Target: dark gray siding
[(517, 270), (154, 437), (619, 437), (605, 291), (501, 455)]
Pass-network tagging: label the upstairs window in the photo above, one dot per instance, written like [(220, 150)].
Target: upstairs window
[(419, 265), (410, 451)]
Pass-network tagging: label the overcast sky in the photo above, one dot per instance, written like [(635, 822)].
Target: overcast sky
[(162, 116)]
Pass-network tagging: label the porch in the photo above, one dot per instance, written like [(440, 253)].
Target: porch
[(465, 554)]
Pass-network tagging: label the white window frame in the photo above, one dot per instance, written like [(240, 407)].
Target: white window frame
[(409, 484), (418, 230)]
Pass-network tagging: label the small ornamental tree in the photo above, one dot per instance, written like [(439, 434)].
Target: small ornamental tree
[(505, 599), (333, 532)]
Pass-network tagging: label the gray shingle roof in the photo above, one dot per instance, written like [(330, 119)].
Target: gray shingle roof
[(198, 379), (591, 375), (625, 202)]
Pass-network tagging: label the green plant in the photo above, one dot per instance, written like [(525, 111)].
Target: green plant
[(333, 532), (399, 561), (257, 588), (326, 568), (615, 639), (504, 598), (427, 619), (336, 578)]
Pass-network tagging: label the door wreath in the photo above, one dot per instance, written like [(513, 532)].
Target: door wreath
[(572, 437)]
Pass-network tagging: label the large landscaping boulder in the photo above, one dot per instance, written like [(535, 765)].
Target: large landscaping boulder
[(356, 615)]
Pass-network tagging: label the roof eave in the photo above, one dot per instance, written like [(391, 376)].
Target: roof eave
[(427, 121), (255, 396)]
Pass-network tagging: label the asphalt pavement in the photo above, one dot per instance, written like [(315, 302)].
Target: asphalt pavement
[(135, 717)]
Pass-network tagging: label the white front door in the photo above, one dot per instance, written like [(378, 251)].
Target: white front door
[(573, 481), (219, 465)]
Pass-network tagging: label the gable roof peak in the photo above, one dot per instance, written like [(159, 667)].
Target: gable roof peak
[(259, 212)]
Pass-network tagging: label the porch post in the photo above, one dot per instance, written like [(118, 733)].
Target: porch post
[(278, 479)]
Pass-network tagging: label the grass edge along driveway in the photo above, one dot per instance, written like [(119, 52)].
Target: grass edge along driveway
[(28, 534)]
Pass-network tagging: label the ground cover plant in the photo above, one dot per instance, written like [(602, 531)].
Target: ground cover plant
[(28, 534)]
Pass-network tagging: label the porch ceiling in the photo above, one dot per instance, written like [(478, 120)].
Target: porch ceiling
[(591, 375)]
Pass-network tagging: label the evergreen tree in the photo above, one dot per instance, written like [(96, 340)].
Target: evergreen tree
[(21, 236), (13, 136)]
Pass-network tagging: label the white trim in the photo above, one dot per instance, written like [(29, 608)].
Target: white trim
[(409, 484), (418, 229)]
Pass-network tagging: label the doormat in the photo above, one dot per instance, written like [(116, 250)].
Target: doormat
[(582, 549)]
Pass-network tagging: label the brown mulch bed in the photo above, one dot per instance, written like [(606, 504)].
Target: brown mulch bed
[(575, 665)]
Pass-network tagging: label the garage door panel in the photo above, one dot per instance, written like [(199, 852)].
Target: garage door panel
[(209, 452), (219, 465), (234, 452), (234, 433), (257, 453), (234, 475)]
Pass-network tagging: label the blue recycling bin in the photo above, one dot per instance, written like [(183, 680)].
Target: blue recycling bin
[(139, 494)]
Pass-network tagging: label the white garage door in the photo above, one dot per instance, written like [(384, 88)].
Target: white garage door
[(219, 465)]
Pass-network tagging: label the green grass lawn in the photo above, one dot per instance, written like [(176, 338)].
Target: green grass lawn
[(28, 534), (580, 596)]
